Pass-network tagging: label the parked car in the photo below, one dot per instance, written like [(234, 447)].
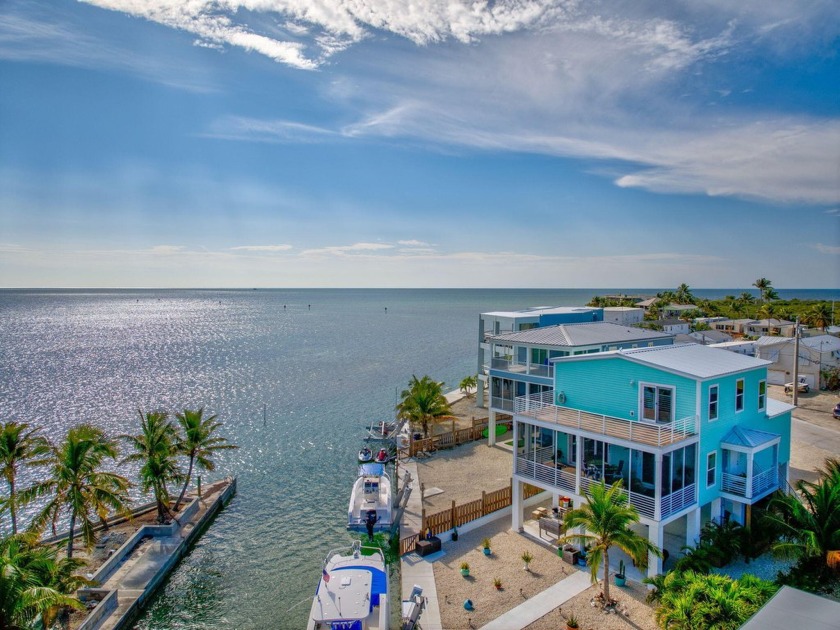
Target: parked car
[(837, 411), (804, 388)]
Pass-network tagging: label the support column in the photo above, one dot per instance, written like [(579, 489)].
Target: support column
[(516, 506), (750, 468), (479, 391), (716, 511), (491, 429), (578, 463), (657, 488), (656, 535), (692, 528)]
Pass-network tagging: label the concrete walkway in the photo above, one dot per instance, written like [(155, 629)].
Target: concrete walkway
[(542, 603), (413, 568)]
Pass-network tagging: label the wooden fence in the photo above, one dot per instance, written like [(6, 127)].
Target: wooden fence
[(452, 438), (458, 515)]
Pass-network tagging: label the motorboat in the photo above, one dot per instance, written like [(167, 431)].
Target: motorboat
[(370, 500), (353, 591), (365, 455), (382, 456)]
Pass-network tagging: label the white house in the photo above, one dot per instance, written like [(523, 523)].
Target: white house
[(815, 354)]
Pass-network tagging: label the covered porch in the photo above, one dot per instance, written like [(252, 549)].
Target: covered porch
[(750, 467)]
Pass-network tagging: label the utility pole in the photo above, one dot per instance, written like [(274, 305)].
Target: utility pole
[(796, 363)]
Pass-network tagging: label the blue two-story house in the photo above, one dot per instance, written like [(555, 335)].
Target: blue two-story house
[(521, 363), (689, 430)]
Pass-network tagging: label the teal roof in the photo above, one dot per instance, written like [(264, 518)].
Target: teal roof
[(749, 438)]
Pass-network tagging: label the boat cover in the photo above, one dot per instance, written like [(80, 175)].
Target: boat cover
[(378, 585), (373, 470)]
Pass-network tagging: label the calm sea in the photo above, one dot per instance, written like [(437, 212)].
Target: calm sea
[(293, 374)]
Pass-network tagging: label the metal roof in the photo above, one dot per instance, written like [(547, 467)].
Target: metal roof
[(535, 311), (694, 359), (778, 407), (584, 334), (751, 438), (792, 608)]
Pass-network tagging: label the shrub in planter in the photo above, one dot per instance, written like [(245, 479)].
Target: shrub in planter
[(497, 582), (526, 558), (465, 569), (486, 544), (572, 623)]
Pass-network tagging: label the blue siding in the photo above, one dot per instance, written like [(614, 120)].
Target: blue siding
[(603, 386)]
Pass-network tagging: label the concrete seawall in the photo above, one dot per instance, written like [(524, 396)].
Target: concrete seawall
[(132, 575)]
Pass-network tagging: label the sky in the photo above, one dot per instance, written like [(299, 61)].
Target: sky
[(419, 143)]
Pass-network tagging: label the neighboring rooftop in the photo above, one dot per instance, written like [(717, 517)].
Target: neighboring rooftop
[(689, 359), (823, 343), (533, 311), (586, 334), (792, 608)]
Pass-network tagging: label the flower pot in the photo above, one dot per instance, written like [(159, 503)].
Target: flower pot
[(487, 551), (620, 580), (465, 572)]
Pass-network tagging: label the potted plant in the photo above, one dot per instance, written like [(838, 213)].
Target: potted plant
[(497, 582), (572, 623), (465, 569), (526, 558), (486, 544), (620, 577)]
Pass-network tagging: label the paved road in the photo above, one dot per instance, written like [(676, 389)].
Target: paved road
[(811, 434)]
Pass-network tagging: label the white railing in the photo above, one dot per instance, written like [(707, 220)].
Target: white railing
[(765, 480), (541, 407), (534, 369), (748, 488), (678, 500)]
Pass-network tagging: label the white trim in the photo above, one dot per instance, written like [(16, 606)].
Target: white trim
[(762, 407), (716, 387), (641, 401), (707, 469), (743, 382)]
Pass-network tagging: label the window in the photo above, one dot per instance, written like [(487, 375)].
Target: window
[(762, 395), (739, 395), (657, 403), (711, 468), (713, 402)]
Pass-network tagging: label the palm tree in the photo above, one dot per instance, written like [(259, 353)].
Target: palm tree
[(468, 383), (423, 403), (156, 448), (683, 294), (35, 582), (608, 517), (767, 291), (198, 443), (19, 446), (80, 487), (819, 316), (810, 522)]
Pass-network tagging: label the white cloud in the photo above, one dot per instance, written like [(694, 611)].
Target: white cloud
[(262, 248), (165, 250), (413, 243), (259, 130), (343, 250), (827, 249)]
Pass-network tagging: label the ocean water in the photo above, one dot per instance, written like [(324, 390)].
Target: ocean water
[(294, 375)]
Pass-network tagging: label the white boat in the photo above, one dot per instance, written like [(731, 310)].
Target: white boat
[(370, 499), (353, 591), (365, 455)]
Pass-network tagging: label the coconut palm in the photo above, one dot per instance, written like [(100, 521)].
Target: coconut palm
[(819, 316), (79, 485), (766, 289), (35, 582), (809, 520), (198, 443), (156, 449), (423, 403), (468, 383), (683, 294), (608, 517), (19, 446)]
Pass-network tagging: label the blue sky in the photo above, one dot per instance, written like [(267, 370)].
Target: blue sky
[(387, 143)]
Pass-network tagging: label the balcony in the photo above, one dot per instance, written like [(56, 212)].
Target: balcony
[(541, 407), (565, 478), (759, 484), (514, 367)]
